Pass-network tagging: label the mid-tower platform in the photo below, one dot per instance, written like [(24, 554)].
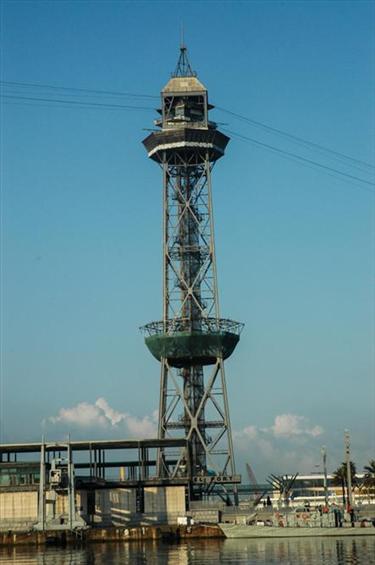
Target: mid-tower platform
[(182, 344)]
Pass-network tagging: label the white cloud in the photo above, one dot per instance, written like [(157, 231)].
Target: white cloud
[(112, 415), (142, 427), (101, 415), (83, 414), (287, 425), (286, 446), (284, 426), (250, 432)]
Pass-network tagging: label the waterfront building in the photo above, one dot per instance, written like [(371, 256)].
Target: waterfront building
[(308, 490)]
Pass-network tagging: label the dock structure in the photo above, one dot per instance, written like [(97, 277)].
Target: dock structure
[(111, 490), (74, 485)]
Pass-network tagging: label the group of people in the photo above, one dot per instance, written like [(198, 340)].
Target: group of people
[(267, 502), (339, 515)]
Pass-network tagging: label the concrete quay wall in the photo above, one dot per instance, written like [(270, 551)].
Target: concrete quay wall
[(93, 535), (112, 507)]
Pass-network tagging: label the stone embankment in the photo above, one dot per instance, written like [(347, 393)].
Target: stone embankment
[(164, 532)]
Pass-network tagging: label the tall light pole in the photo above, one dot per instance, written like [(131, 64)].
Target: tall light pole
[(324, 457), (348, 469)]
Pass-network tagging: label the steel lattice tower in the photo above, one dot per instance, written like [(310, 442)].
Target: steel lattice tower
[(192, 341)]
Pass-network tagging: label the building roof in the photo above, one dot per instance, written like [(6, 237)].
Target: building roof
[(183, 84), (184, 79), (87, 445)]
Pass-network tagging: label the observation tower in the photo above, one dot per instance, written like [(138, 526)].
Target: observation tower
[(192, 341)]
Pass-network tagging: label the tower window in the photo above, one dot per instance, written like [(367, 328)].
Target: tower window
[(180, 111)]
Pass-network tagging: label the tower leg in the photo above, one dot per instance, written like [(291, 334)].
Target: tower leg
[(194, 401), (162, 416)]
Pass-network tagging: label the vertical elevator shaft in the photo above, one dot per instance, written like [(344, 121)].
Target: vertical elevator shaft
[(190, 267)]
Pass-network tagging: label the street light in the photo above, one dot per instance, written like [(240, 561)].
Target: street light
[(324, 457), (348, 470)]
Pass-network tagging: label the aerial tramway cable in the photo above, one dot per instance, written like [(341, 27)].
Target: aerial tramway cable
[(64, 91)]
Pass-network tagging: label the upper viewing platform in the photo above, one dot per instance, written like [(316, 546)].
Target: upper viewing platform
[(184, 120)]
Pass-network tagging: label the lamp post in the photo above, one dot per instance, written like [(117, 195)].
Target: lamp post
[(348, 470), (324, 458)]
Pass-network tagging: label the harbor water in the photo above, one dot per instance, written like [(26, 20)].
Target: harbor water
[(322, 551)]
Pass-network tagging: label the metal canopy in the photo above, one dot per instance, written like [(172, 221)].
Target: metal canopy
[(91, 445)]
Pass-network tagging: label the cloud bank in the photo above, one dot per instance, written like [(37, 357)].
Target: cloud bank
[(289, 444), (285, 426), (101, 415), (288, 425)]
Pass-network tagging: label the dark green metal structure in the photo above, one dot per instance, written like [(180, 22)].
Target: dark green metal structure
[(192, 341)]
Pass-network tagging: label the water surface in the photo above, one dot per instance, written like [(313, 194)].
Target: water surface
[(323, 551)]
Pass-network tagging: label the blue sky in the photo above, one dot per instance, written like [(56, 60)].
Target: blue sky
[(81, 219)]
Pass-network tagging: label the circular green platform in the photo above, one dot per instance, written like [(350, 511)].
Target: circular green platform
[(192, 348)]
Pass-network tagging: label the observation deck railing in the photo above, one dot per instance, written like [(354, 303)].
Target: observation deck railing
[(186, 325)]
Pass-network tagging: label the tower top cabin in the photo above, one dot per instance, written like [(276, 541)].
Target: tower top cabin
[(184, 119), (184, 98)]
